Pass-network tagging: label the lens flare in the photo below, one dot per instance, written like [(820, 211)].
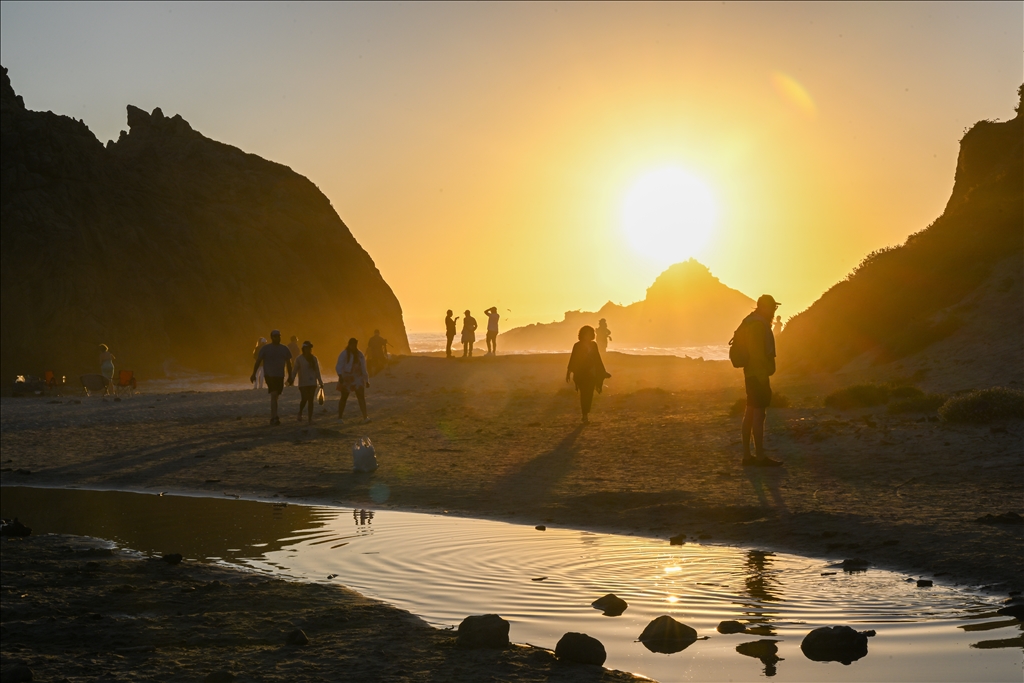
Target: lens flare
[(795, 94)]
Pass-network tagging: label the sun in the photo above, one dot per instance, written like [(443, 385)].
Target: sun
[(669, 215)]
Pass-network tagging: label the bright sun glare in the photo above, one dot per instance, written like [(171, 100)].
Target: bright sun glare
[(668, 215)]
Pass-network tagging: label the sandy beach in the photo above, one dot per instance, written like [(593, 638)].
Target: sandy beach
[(500, 438)]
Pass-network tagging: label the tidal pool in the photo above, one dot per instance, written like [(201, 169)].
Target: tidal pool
[(444, 568)]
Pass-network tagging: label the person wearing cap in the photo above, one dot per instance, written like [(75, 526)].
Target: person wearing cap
[(275, 359), (468, 335), (307, 367), (755, 333)]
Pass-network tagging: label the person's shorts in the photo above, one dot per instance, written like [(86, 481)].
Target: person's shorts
[(308, 393), (759, 391), (491, 336), (275, 385)]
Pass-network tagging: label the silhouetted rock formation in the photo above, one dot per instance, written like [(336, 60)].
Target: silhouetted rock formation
[(686, 306), (948, 303), (171, 247)]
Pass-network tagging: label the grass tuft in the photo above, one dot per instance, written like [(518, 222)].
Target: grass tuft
[(984, 405)]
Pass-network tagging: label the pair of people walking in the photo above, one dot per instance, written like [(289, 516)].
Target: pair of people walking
[(275, 361), (469, 327)]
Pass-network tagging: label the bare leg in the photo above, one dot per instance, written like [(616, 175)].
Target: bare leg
[(341, 404), (302, 404), (361, 397), (586, 400), (753, 424), (273, 405), (309, 403)]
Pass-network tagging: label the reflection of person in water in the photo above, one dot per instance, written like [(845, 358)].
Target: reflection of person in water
[(604, 335), (586, 369), (362, 517)]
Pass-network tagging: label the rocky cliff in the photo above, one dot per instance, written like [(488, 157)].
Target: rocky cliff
[(176, 250), (686, 306), (950, 301)]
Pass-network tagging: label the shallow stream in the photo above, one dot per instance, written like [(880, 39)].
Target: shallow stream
[(444, 568)]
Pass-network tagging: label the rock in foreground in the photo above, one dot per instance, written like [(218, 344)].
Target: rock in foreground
[(666, 635), (580, 648), (483, 631), (836, 644)]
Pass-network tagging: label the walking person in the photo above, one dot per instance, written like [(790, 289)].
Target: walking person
[(449, 332), (376, 353), (258, 382), (586, 369), (307, 367), (275, 359), (493, 317), (352, 377), (753, 349), (468, 335), (107, 369), (604, 335)]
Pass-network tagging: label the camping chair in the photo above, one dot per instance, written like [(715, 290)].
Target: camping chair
[(126, 382), (93, 383)]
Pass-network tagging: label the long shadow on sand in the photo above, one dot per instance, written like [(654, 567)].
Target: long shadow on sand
[(535, 479)]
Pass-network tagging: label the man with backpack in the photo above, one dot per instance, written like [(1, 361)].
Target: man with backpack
[(753, 349)]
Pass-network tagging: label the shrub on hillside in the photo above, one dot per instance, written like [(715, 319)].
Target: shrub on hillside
[(924, 403), (904, 392), (858, 396), (984, 405)]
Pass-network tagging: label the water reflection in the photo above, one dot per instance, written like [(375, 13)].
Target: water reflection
[(765, 650)]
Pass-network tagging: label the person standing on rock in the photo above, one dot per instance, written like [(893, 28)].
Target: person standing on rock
[(468, 335), (307, 367), (586, 369), (107, 369), (275, 359), (449, 332), (604, 335), (753, 349), (352, 377), (258, 382), (376, 353), (493, 318)]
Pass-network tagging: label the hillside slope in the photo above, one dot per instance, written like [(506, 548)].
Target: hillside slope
[(686, 306), (176, 250), (950, 298)]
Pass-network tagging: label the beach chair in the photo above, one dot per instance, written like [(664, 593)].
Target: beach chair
[(93, 383), (126, 382)]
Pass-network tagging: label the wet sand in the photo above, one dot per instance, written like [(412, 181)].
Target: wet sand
[(500, 437)]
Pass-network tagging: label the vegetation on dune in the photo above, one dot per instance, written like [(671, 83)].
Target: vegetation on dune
[(984, 405), (925, 403)]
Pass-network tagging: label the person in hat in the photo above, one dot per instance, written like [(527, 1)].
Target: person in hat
[(275, 359), (307, 367), (758, 342), (468, 335)]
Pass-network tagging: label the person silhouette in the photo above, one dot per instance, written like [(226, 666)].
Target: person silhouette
[(276, 360), (492, 330), (586, 369), (777, 327), (755, 339), (449, 332), (376, 353), (293, 346), (352, 377), (604, 335), (258, 382), (468, 335), (307, 369)]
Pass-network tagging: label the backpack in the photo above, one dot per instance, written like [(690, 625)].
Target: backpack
[(739, 349)]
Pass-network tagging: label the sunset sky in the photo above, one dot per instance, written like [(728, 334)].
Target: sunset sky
[(486, 153)]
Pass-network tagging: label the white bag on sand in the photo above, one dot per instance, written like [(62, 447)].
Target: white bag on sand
[(364, 458)]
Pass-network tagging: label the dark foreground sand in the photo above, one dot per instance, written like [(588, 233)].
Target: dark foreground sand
[(500, 438)]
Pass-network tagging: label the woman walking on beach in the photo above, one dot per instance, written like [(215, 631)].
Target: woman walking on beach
[(107, 368), (258, 382), (587, 369), (307, 367), (468, 335), (352, 377)]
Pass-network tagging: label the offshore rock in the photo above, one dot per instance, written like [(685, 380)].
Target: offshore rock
[(666, 635)]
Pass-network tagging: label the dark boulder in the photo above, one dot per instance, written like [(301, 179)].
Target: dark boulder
[(731, 627), (483, 631), (297, 637), (666, 635), (924, 583), (581, 649), (12, 527), (836, 644), (855, 564), (679, 539), (1015, 611), (172, 558), (611, 604)]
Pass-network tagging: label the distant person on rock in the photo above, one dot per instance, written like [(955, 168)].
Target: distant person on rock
[(293, 346), (753, 349), (777, 326), (376, 353), (604, 335), (275, 359), (352, 377), (586, 369), (307, 367), (449, 332), (107, 368), (468, 335), (258, 382), (493, 318)]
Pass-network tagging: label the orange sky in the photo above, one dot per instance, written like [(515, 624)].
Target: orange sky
[(481, 153)]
